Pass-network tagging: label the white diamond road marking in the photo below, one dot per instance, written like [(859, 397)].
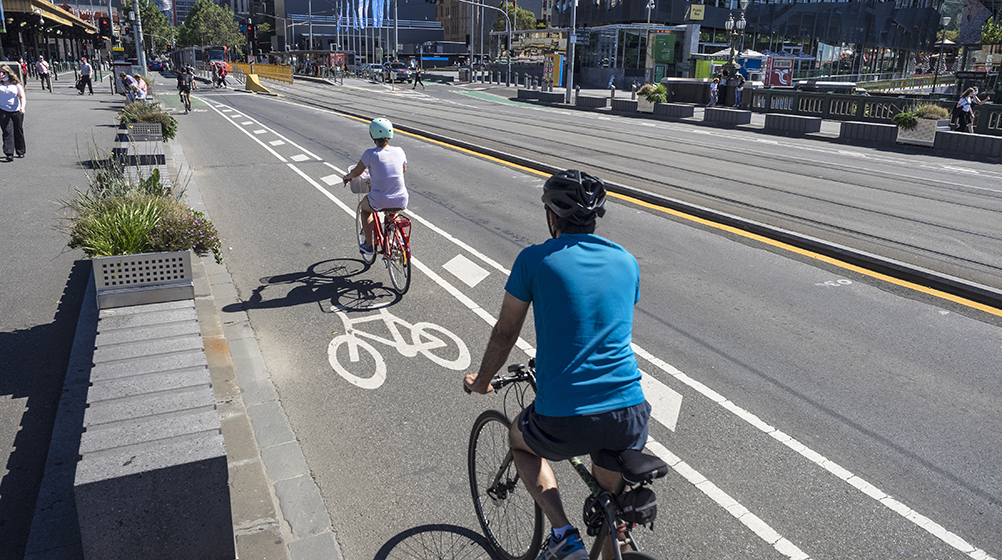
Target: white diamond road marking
[(300, 157), (247, 123), (260, 131), (331, 179), (277, 142), (466, 270)]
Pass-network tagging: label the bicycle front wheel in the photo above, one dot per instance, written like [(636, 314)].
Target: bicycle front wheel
[(510, 518), (398, 262), (360, 233)]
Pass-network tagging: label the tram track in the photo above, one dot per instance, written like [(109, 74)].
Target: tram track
[(697, 188)]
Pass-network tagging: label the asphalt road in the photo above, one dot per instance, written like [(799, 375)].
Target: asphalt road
[(808, 410), (935, 212)]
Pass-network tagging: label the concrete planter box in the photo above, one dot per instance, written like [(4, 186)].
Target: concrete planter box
[(644, 106), (527, 94), (924, 133), (125, 280)]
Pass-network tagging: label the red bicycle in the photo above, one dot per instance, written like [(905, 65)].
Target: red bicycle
[(391, 237)]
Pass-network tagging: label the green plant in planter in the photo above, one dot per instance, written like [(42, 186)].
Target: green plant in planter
[(143, 112), (908, 119), (654, 94)]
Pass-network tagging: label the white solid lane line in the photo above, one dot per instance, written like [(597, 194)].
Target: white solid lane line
[(868, 489)]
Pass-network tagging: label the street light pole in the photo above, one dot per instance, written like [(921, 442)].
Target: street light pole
[(508, 25), (647, 40), (570, 51), (935, 80), (735, 30)]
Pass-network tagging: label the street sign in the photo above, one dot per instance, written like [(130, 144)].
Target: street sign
[(664, 48)]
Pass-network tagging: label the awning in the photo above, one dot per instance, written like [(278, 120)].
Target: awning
[(50, 13)]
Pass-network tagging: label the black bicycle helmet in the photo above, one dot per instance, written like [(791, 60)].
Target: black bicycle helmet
[(575, 196)]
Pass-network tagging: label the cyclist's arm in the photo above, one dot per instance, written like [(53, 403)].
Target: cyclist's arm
[(503, 337), (359, 169)]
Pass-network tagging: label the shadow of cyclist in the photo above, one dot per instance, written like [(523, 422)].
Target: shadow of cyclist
[(435, 542), (328, 284)]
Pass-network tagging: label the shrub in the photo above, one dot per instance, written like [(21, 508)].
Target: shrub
[(143, 112), (181, 228), (116, 226), (908, 119), (905, 120)]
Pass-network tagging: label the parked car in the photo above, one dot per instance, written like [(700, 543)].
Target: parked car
[(155, 65), (373, 71), (398, 72)]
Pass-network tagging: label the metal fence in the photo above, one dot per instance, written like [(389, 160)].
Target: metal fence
[(862, 108)]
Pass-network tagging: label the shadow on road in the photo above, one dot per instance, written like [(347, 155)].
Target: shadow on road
[(435, 542), (329, 284)]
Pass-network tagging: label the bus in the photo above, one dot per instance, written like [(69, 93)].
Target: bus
[(200, 57)]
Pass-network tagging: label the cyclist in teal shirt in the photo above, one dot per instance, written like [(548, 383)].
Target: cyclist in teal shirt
[(583, 289)]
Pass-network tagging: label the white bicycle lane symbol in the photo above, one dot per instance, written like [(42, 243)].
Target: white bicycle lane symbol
[(424, 338)]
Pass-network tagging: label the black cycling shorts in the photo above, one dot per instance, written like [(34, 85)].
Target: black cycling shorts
[(559, 438)]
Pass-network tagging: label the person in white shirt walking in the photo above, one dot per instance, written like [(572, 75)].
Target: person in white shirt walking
[(85, 71), (42, 68)]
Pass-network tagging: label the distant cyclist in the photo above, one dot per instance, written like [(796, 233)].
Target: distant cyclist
[(582, 289), (387, 165), (185, 81)]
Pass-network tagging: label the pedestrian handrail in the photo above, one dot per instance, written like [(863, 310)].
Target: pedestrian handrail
[(277, 72)]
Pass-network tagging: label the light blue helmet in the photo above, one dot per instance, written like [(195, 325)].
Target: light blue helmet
[(381, 128)]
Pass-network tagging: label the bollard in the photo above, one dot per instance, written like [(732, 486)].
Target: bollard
[(633, 92), (612, 92), (577, 93)]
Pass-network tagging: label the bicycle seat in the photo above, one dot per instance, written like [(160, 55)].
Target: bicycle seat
[(637, 466)]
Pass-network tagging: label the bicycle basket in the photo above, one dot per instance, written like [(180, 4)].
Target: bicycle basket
[(403, 223), (360, 185)]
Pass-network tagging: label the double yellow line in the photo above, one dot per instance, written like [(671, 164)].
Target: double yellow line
[(748, 235)]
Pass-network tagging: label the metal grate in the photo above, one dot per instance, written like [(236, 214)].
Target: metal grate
[(151, 129), (138, 270)]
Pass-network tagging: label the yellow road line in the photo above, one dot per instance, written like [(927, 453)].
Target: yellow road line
[(748, 235)]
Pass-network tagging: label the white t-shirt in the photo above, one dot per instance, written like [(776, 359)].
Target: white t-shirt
[(9, 97), (386, 170)]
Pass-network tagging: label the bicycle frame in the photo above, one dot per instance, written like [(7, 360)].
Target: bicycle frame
[(380, 222)]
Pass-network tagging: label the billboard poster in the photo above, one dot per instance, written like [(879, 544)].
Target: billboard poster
[(664, 48), (553, 69), (779, 72)]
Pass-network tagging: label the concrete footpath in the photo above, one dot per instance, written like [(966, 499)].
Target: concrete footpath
[(277, 511)]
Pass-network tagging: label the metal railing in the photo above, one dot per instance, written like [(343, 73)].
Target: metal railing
[(861, 108)]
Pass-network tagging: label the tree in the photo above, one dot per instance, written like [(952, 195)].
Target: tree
[(209, 24), (524, 20), (156, 32)]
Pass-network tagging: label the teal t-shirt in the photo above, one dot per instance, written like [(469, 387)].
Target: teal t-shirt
[(583, 289)]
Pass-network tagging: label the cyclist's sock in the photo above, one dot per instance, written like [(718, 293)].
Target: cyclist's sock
[(559, 533)]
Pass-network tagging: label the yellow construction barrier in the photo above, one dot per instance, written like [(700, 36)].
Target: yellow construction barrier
[(251, 83), (276, 72)]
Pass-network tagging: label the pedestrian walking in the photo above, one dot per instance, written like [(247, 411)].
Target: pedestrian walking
[(42, 67), (85, 72), (713, 92), (12, 103), (222, 75), (965, 122), (417, 77), (24, 69)]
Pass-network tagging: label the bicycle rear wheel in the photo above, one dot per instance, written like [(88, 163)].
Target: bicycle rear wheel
[(510, 518), (360, 233), (398, 262)]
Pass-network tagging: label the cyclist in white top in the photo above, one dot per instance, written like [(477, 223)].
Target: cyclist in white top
[(387, 165)]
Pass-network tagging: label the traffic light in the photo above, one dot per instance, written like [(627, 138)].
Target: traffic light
[(104, 26), (251, 32)]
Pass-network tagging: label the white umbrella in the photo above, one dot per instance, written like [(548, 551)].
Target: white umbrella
[(748, 53)]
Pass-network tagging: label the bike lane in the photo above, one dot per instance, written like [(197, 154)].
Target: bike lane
[(445, 272)]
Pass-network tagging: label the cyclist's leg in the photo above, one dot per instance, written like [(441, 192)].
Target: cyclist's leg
[(538, 477), (367, 218), (609, 480)]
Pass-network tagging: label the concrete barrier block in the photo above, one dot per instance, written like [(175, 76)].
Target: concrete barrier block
[(593, 102), (141, 348), (674, 110), (149, 364), (150, 428), (624, 105), (166, 329), (551, 97), (797, 124), (104, 412), (730, 117), (134, 385), (162, 499), (527, 94), (871, 133)]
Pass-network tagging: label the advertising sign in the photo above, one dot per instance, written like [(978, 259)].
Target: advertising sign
[(553, 69), (779, 72), (664, 48)]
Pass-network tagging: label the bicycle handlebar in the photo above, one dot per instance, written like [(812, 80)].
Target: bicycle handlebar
[(522, 372)]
